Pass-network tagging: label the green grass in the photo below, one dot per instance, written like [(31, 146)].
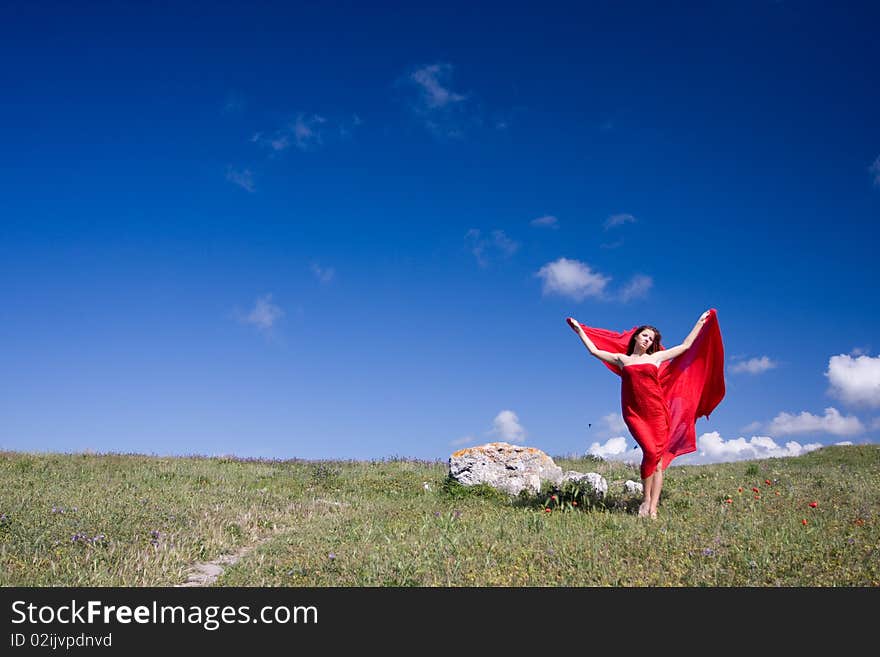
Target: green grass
[(132, 520)]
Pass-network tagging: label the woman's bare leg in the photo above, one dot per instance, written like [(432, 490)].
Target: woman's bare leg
[(647, 496), (655, 490)]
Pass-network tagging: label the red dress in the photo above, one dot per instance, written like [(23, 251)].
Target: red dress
[(645, 412), (661, 408)]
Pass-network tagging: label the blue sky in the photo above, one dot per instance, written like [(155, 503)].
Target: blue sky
[(301, 230)]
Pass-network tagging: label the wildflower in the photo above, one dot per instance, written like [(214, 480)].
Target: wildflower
[(859, 522), (331, 556), (755, 489), (804, 522), (574, 502), (436, 514), (554, 498), (729, 501), (708, 552), (777, 492), (813, 505), (767, 481), (740, 490), (547, 510), (757, 497)]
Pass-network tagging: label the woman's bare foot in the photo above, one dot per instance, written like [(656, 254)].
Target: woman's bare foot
[(643, 510), (653, 514)]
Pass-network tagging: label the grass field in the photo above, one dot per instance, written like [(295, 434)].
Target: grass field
[(134, 520)]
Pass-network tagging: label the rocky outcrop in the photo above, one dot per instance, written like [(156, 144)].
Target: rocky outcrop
[(514, 468), (506, 467)]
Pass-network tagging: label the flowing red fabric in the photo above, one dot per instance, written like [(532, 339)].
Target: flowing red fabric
[(692, 385)]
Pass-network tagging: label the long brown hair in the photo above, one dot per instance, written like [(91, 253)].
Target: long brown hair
[(654, 345)]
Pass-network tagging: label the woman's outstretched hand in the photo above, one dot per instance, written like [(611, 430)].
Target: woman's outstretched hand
[(573, 323), (704, 317)]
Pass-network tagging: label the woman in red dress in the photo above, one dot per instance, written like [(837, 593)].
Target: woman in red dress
[(661, 398)]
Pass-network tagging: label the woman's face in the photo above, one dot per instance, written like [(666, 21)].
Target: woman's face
[(644, 340)]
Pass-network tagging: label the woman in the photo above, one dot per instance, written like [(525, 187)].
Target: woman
[(663, 391)]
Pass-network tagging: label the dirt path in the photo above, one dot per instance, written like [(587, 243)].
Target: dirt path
[(206, 573)]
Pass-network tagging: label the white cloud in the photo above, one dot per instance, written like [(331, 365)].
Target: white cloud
[(832, 422), (855, 380), (619, 220), (613, 424), (243, 178), (712, 448), (875, 171), (614, 449), (503, 243), (571, 278), (507, 427), (844, 442), (443, 111), (464, 440), (305, 132), (547, 221), (755, 365), (484, 248), (433, 83), (264, 313), (638, 287), (751, 428), (323, 274)]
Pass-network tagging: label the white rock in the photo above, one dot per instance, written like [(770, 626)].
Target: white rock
[(506, 467), (595, 483), (633, 487)]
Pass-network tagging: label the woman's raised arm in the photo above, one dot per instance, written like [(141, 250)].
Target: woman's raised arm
[(601, 354), (678, 350)]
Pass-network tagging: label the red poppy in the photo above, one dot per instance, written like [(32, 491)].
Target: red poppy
[(552, 497), (804, 521), (740, 489), (757, 497), (859, 522), (729, 501), (547, 510), (767, 481), (755, 489), (574, 503), (777, 492), (813, 505)]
